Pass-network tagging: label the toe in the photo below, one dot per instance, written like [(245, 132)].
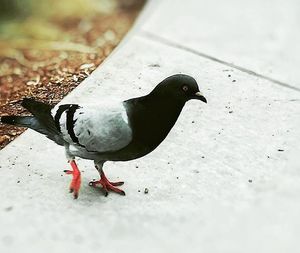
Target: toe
[(117, 190), (117, 183)]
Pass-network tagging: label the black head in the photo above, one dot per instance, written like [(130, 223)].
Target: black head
[(179, 87)]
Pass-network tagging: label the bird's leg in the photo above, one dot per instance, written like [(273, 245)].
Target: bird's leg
[(76, 180), (106, 184)]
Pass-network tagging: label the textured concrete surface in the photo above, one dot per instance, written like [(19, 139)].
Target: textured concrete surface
[(258, 35), (218, 183)]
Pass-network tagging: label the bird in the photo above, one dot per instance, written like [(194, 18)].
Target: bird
[(110, 131)]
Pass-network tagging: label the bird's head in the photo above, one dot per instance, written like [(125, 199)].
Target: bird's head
[(180, 87)]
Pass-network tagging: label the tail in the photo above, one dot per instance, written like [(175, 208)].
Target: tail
[(41, 121), (22, 121), (42, 112)]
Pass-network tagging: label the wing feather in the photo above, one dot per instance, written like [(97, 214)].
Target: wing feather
[(102, 128)]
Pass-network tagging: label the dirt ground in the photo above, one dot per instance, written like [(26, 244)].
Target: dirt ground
[(49, 71)]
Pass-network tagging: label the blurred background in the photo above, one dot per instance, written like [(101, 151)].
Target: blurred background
[(48, 47)]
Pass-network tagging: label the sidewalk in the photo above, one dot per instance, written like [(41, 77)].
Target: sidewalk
[(226, 179)]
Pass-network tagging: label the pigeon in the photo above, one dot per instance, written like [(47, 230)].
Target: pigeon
[(117, 131)]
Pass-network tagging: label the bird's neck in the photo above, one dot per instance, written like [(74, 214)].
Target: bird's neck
[(153, 117), (165, 108)]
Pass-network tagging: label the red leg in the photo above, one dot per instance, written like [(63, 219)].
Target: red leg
[(76, 180), (107, 185)]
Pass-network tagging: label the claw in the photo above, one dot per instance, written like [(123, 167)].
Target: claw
[(75, 195)]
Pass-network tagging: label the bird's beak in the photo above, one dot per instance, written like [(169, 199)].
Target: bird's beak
[(198, 95)]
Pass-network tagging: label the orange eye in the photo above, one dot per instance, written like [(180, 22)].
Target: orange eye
[(185, 88)]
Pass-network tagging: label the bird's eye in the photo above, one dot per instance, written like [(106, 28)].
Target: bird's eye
[(185, 88)]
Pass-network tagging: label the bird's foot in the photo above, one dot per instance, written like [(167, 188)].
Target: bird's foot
[(107, 185), (76, 180)]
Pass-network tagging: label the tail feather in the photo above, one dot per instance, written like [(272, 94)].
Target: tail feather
[(42, 112), (41, 121), (25, 121), (22, 121), (36, 106)]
